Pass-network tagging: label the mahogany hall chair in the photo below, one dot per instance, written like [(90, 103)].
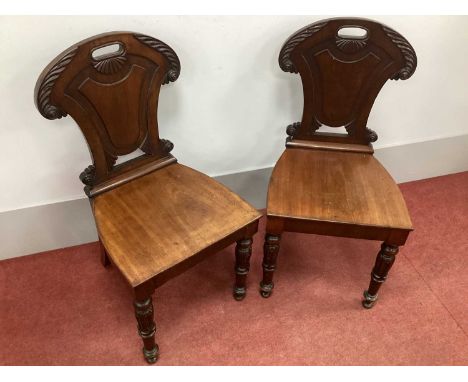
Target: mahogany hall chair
[(155, 217), (330, 183)]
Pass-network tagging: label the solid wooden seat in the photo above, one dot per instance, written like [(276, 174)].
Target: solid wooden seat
[(329, 183), (333, 186), (163, 219), (155, 217)]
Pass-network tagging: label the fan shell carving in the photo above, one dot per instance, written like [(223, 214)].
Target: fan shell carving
[(110, 65), (350, 45)]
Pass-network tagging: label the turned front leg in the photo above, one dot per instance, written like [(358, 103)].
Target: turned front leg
[(270, 255), (147, 328), (243, 253), (383, 263)]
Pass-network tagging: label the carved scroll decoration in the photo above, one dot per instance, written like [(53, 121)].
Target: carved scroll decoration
[(167, 145), (406, 50), (87, 178), (371, 135), (165, 50), (285, 55), (292, 130), (44, 104)]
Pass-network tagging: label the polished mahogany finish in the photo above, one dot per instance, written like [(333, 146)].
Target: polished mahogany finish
[(330, 183), (114, 100), (342, 75), (155, 217), (243, 253), (166, 217)]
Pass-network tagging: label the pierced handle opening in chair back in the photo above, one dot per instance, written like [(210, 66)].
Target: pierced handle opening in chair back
[(109, 84), (343, 63)]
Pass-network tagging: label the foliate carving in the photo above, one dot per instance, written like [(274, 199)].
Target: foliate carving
[(167, 51), (87, 178), (110, 65), (44, 104), (406, 50), (292, 130), (167, 145), (350, 45), (371, 135), (285, 55)]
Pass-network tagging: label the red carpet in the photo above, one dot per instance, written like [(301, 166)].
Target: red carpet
[(63, 308)]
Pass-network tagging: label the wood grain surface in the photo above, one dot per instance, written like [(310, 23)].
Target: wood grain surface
[(336, 186), (158, 220)]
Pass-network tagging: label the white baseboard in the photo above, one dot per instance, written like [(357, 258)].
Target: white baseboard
[(427, 159), (51, 226)]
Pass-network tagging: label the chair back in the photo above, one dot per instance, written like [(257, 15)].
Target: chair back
[(113, 97), (342, 74)]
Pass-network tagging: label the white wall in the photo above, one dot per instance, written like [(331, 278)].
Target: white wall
[(228, 110)]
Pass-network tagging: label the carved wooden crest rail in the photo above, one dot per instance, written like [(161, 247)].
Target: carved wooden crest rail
[(342, 75), (114, 99)]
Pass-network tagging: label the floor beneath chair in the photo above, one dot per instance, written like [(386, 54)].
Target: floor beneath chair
[(63, 308)]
